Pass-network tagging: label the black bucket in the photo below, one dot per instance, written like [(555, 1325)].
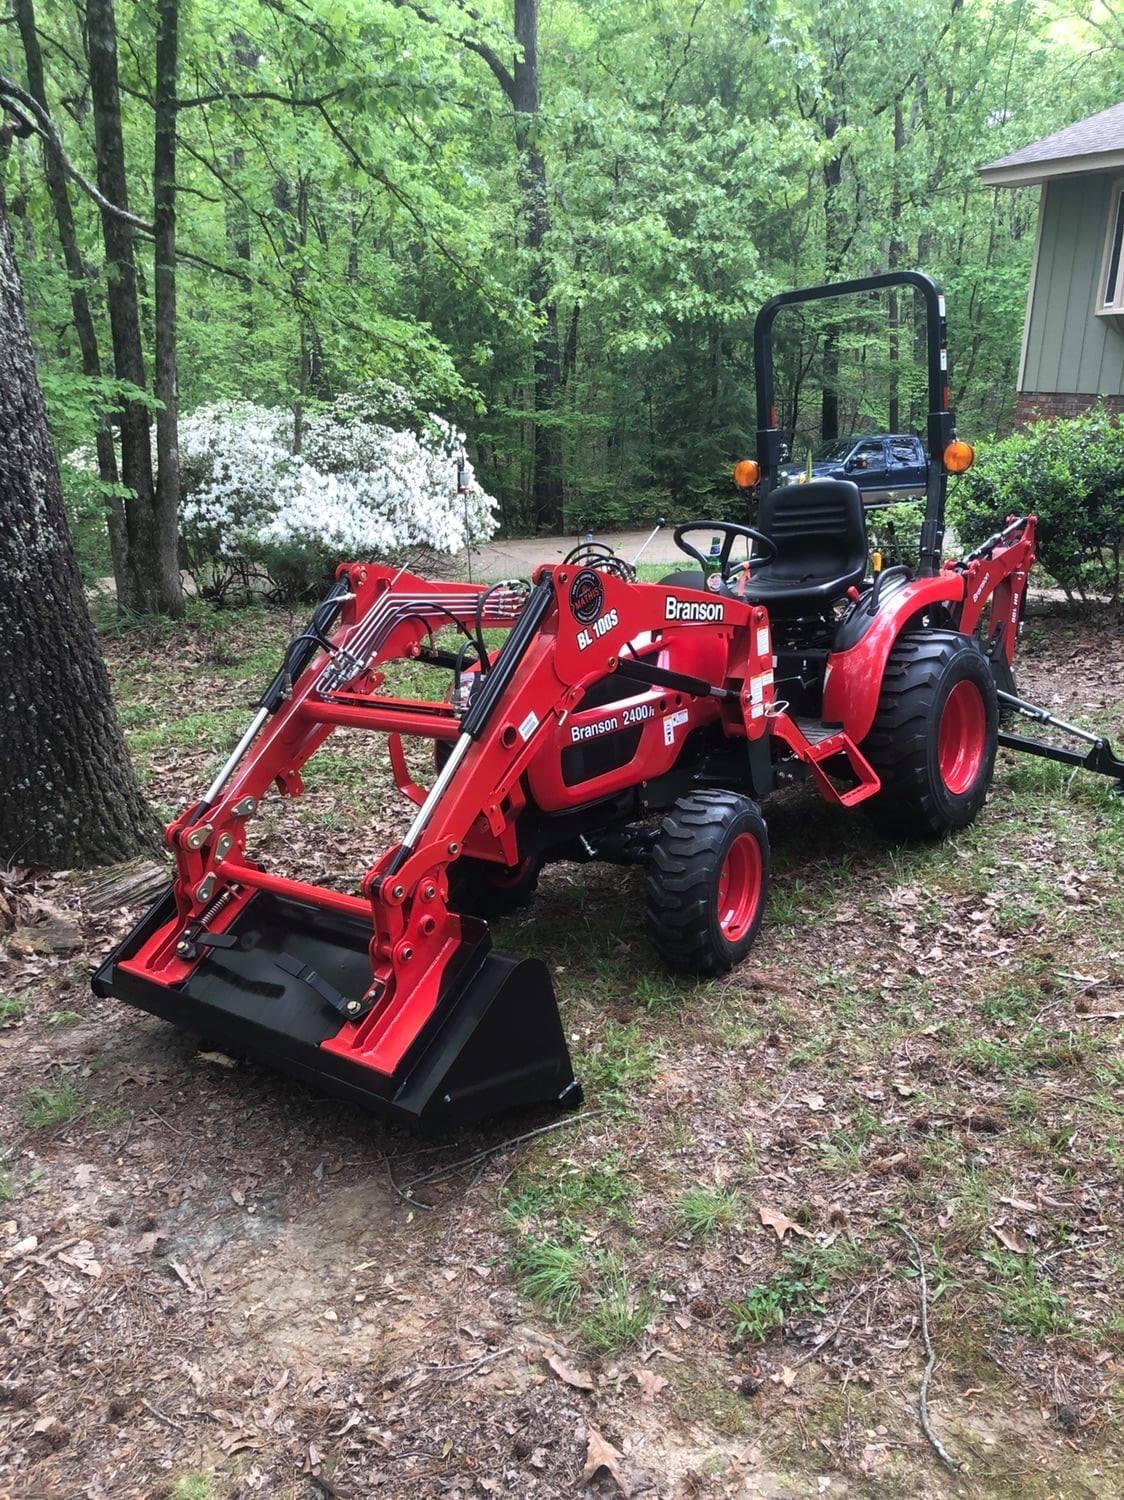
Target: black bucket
[(494, 1041)]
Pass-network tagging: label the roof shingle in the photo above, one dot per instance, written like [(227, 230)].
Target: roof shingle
[(1095, 136)]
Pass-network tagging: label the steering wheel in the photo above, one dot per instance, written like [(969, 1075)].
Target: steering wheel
[(730, 531)]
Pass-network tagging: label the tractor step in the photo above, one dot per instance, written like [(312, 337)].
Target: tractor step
[(816, 744), (493, 1042), (815, 730)]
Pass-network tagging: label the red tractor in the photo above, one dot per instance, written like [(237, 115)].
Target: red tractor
[(637, 723)]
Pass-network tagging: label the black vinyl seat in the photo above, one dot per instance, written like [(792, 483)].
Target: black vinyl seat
[(820, 533)]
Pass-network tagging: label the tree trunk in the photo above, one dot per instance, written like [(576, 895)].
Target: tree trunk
[(894, 260), (68, 795), (547, 497), (165, 378), (79, 301), (152, 585), (832, 179)]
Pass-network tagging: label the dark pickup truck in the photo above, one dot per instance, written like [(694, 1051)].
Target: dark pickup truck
[(886, 467)]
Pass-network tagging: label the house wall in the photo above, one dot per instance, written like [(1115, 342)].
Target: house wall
[(1070, 355)]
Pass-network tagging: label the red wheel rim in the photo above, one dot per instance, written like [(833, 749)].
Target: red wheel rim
[(739, 887), (962, 737)]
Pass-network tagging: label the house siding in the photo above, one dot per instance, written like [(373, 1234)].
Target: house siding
[(1070, 351)]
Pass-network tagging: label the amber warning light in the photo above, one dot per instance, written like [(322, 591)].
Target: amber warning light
[(747, 473), (958, 457)]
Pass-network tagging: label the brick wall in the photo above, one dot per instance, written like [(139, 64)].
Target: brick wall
[(1030, 406)]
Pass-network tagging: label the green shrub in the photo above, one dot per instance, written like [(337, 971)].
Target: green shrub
[(1070, 474), (895, 531)]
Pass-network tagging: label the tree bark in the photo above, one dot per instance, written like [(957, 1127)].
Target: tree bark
[(165, 377), (547, 496), (152, 584), (894, 260), (833, 235), (79, 301), (68, 794)]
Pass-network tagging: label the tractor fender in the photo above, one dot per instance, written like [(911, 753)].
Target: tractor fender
[(853, 680)]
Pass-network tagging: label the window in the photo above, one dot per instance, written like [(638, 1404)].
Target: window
[(872, 450), (838, 448), (1112, 286), (904, 450)]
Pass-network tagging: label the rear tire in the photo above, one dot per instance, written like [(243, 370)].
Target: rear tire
[(934, 737), (707, 882), (479, 888)]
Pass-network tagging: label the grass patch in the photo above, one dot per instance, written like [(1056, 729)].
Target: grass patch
[(623, 1059), (550, 1274), (65, 1018), (703, 1210), (574, 1190), (594, 1290), (11, 1011), (198, 1486), (213, 729), (620, 1312), (768, 1306), (1027, 1301), (46, 1108)]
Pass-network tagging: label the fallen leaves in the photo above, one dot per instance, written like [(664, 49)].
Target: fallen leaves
[(773, 1218), (220, 1059), (1010, 1240), (571, 1375), (600, 1454), (650, 1384)]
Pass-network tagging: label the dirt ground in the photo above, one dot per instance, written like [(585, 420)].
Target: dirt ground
[(216, 1284)]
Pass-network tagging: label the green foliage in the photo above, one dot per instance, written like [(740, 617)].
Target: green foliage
[(549, 1273), (895, 531), (11, 1011), (1027, 1300), (768, 1305), (594, 1289), (1068, 472), (695, 161), (703, 1210), (195, 1486)]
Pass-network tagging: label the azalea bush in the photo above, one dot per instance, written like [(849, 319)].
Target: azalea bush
[(372, 480), (1069, 472)]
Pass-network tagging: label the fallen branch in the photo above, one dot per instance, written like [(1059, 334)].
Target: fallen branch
[(923, 1394), (515, 1140), (162, 1416), (406, 1196)]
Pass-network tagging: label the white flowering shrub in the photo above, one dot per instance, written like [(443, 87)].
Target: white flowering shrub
[(359, 488)]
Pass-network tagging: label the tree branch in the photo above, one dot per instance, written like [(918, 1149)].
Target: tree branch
[(293, 101), (504, 77), (15, 101)]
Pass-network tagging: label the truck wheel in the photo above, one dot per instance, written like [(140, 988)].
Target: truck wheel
[(479, 888), (934, 736), (707, 881)]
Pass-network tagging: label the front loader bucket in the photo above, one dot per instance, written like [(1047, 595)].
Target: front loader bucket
[(493, 1042)]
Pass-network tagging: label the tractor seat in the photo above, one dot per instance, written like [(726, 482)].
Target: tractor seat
[(820, 532)]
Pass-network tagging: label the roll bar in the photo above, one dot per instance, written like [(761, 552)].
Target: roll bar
[(941, 425)]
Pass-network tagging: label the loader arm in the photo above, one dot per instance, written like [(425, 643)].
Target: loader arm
[(389, 992)]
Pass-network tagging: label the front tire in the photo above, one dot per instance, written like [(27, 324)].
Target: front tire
[(934, 737), (707, 882)]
